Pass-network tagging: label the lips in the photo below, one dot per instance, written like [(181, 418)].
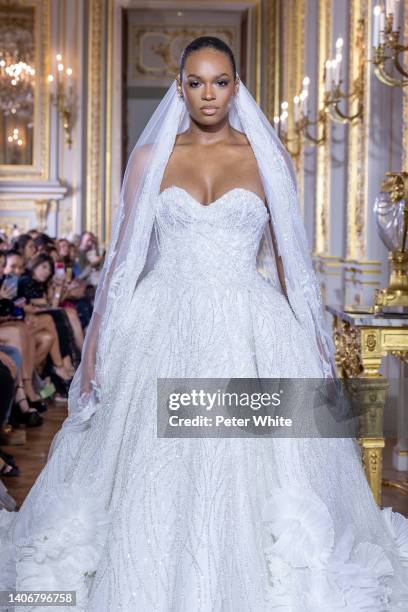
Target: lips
[(208, 110)]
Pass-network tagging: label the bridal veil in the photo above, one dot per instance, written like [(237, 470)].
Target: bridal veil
[(134, 245)]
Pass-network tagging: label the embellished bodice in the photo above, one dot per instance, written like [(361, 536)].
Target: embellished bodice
[(215, 243)]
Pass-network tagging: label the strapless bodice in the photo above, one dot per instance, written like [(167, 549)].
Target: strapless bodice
[(217, 242)]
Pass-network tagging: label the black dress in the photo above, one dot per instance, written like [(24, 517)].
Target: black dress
[(30, 288)]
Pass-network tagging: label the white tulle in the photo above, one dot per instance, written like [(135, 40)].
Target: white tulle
[(133, 522)]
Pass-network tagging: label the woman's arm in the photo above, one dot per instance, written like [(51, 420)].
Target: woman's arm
[(278, 259)]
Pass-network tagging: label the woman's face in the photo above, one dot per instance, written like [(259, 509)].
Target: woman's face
[(207, 81), (42, 272), (29, 250), (14, 265), (54, 254), (63, 248)]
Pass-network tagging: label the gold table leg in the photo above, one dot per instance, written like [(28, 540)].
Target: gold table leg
[(358, 357)]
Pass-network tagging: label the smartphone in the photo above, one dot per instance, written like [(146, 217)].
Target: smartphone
[(60, 269), (11, 282)]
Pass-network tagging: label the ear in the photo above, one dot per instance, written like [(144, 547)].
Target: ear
[(237, 81)]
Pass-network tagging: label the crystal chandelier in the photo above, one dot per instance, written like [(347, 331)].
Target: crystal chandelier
[(17, 73)]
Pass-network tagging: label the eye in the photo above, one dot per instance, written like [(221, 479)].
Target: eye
[(193, 83), (223, 82)]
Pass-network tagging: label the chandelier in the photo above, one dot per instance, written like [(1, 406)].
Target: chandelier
[(17, 74)]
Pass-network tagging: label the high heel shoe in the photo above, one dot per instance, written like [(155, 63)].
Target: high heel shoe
[(6, 469), (39, 405), (62, 385), (29, 418)]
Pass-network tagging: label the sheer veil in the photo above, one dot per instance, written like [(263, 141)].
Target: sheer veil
[(134, 244)]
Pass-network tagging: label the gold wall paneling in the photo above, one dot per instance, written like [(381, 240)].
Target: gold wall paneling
[(292, 65), (95, 122), (39, 168), (357, 195), (405, 103), (270, 59), (323, 157)]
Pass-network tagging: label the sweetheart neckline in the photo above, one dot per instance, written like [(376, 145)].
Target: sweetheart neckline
[(200, 205)]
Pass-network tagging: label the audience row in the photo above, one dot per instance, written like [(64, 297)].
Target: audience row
[(47, 287)]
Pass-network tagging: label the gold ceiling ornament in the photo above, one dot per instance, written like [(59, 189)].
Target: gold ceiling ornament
[(391, 212), (387, 47), (333, 81)]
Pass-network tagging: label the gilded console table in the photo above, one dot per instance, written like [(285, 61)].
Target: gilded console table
[(362, 340)]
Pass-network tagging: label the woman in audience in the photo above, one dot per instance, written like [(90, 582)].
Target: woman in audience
[(24, 244), (14, 263), (36, 338), (8, 374), (42, 298)]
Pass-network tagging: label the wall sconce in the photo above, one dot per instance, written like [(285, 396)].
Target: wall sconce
[(302, 123), (333, 81), (62, 96), (386, 38)]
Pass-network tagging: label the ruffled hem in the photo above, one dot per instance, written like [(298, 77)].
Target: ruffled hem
[(62, 551), (309, 573)]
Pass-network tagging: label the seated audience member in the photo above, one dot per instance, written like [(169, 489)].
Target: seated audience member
[(24, 244), (8, 374), (42, 294), (90, 262), (14, 263), (43, 243), (30, 335)]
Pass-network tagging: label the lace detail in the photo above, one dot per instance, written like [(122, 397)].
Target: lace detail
[(136, 522)]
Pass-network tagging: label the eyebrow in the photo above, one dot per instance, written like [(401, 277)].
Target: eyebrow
[(217, 77)]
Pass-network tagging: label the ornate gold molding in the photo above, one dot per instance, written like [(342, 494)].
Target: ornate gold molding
[(357, 143), (96, 82), (39, 169), (289, 56), (405, 107), (272, 64), (323, 151)]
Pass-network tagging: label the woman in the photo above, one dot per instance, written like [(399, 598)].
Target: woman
[(133, 521), (24, 244), (41, 296), (15, 335)]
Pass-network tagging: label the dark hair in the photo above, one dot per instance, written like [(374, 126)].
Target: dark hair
[(38, 260), (203, 42), (20, 243), (43, 240), (11, 253)]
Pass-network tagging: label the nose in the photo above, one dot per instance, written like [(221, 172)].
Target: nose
[(208, 92)]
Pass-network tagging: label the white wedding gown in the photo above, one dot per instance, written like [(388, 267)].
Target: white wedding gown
[(136, 523)]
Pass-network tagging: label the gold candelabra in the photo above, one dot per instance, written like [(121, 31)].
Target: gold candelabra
[(387, 45), (333, 97), (333, 82), (63, 97), (302, 123)]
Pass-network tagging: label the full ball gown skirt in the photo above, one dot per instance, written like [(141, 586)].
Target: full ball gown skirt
[(137, 523)]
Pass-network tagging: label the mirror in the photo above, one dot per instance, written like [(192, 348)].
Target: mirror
[(17, 82)]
